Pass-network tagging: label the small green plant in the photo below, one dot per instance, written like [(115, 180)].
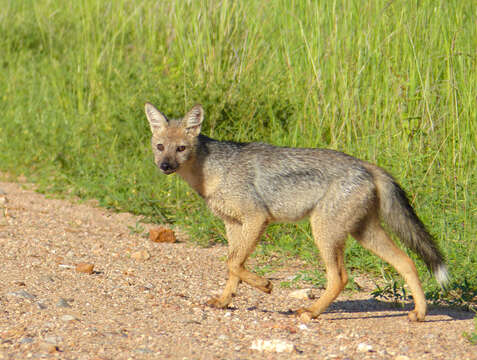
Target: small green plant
[(137, 229), (393, 290), (263, 270), (315, 277), (286, 284), (472, 337), (462, 294)]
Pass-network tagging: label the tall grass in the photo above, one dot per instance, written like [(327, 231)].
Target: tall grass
[(390, 82)]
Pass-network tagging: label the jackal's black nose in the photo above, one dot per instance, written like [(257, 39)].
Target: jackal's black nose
[(165, 166)]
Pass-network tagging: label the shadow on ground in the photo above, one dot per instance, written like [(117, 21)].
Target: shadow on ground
[(367, 306)]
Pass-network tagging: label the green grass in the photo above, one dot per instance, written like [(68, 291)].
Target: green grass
[(391, 82)]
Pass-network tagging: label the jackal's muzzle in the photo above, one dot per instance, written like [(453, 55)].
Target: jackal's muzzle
[(167, 167)]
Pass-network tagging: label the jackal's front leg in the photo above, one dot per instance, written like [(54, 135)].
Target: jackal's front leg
[(242, 240)]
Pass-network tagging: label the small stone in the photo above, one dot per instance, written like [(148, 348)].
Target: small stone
[(140, 255), (26, 340), (85, 268), (363, 347), (149, 286), (144, 351), (402, 357), (305, 317), (63, 303), (23, 294), (162, 235), (274, 345), (40, 305), (301, 294), (55, 340), (67, 318), (66, 266)]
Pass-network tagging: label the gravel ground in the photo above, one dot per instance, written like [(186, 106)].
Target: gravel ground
[(144, 300)]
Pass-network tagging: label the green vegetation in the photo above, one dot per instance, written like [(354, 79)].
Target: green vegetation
[(472, 337), (391, 82)]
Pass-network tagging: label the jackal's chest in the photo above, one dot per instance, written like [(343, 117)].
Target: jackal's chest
[(224, 207), (204, 185)]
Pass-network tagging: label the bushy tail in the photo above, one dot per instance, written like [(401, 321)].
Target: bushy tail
[(396, 211)]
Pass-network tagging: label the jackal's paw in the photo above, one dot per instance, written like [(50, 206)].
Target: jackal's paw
[(266, 288), (414, 315), (217, 303), (305, 315)]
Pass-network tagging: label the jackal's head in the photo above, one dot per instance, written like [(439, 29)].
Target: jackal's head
[(173, 140)]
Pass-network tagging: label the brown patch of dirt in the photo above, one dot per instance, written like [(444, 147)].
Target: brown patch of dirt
[(151, 306)]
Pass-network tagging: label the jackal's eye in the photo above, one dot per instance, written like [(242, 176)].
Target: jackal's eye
[(160, 147), (180, 148)]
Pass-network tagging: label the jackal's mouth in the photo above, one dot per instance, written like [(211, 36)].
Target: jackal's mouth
[(169, 171)]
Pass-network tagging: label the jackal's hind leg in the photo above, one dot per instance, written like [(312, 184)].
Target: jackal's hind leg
[(374, 238)]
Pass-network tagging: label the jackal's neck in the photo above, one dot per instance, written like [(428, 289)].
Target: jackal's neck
[(201, 171)]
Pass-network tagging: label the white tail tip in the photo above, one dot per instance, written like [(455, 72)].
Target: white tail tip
[(442, 275)]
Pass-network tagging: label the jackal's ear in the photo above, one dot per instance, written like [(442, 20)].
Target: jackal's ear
[(157, 120), (192, 121)]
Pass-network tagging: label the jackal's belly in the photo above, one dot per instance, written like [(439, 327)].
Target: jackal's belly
[(281, 210), (291, 205)]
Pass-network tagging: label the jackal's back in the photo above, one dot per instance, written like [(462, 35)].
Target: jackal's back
[(287, 182)]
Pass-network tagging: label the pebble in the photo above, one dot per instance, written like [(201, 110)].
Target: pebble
[(402, 357), (162, 234), (48, 279), (274, 345), (40, 305), (26, 340), (140, 255), (363, 347), (144, 351), (305, 317), (23, 294), (66, 266), (85, 268), (67, 318), (301, 294), (63, 303), (55, 340), (149, 286)]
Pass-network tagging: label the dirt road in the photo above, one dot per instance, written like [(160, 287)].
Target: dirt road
[(144, 300)]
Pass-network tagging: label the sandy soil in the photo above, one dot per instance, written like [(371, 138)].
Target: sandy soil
[(144, 300)]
